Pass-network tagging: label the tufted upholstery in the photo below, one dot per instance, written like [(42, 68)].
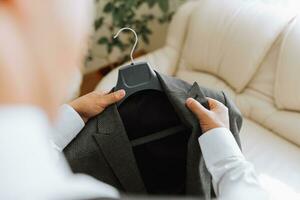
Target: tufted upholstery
[(250, 51), (231, 36), (287, 77)]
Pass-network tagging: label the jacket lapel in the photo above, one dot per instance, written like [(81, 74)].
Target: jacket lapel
[(196, 164), (198, 180), (115, 145)]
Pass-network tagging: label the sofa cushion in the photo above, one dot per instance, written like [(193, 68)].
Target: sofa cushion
[(276, 160), (264, 79), (230, 38), (263, 111), (206, 80), (287, 85)]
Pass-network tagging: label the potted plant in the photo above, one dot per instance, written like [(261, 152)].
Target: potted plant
[(136, 14)]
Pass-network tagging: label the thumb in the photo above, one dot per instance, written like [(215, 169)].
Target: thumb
[(215, 105), (196, 108), (111, 98)]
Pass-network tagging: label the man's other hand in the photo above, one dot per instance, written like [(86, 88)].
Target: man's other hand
[(216, 117), (95, 102)]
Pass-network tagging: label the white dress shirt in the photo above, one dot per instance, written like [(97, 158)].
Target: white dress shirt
[(233, 176), (33, 167), (29, 165)]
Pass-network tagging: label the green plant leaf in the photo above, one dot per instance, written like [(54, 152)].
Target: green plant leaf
[(98, 23), (147, 30), (151, 3), (103, 40), (124, 13), (117, 16), (109, 47), (139, 3), (108, 7), (163, 5), (130, 3), (145, 38)]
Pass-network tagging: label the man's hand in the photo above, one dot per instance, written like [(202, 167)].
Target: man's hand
[(216, 117), (94, 103)]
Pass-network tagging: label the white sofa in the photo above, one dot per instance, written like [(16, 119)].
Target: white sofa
[(252, 52)]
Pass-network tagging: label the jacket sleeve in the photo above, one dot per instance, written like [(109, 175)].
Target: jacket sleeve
[(233, 176)]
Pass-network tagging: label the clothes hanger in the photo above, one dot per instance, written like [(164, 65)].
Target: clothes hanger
[(139, 77), (136, 76)]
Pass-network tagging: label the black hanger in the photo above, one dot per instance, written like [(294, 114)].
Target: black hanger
[(136, 76)]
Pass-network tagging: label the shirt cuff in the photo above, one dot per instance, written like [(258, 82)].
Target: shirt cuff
[(218, 144), (68, 125)]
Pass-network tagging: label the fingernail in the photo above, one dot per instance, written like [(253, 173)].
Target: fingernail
[(189, 101), (121, 93)]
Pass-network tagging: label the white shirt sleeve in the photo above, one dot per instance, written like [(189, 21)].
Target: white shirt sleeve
[(233, 177), (68, 125), (29, 167)]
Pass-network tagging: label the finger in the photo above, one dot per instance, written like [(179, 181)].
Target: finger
[(214, 104), (104, 92), (111, 98), (196, 108)]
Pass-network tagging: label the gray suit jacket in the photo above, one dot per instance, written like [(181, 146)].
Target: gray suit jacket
[(103, 150)]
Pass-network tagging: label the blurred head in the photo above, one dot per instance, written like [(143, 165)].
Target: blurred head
[(41, 45)]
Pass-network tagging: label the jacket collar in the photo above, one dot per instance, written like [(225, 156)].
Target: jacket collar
[(115, 145)]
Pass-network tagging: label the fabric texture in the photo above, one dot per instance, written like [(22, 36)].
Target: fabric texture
[(169, 165)]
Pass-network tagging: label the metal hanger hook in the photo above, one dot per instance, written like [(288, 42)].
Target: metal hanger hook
[(135, 43)]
